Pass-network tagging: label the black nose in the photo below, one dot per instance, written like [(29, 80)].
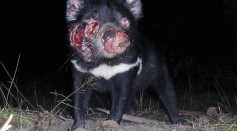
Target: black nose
[(108, 34)]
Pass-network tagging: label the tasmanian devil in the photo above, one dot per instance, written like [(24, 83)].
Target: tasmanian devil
[(106, 44)]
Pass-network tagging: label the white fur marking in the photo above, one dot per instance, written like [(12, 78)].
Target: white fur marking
[(140, 67), (129, 1), (74, 62), (107, 71)]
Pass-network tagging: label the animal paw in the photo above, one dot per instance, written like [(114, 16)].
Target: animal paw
[(109, 124), (80, 129)]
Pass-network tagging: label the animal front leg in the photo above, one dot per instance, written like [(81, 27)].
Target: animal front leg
[(120, 96), (80, 103), (129, 106)]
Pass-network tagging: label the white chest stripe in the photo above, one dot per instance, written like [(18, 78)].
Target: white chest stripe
[(107, 71)]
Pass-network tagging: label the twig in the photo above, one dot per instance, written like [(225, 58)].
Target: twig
[(189, 113), (131, 118), (6, 126)]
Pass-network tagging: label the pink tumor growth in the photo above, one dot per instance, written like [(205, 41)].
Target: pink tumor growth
[(125, 23), (91, 29), (110, 46), (82, 36), (77, 36), (117, 44)]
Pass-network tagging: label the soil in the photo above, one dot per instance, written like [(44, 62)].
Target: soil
[(94, 125)]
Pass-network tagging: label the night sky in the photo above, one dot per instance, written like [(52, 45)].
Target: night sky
[(36, 29)]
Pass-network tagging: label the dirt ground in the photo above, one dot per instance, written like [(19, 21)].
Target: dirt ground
[(39, 121), (94, 125)]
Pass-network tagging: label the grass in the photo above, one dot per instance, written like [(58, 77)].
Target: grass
[(198, 89), (201, 86)]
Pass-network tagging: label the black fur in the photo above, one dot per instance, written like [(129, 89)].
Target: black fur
[(151, 72)]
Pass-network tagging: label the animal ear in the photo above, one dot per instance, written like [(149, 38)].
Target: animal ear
[(135, 6), (73, 6)]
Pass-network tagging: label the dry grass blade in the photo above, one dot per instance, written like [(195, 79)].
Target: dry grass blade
[(13, 83), (87, 82)]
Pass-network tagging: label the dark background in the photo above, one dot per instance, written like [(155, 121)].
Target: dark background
[(205, 30), (36, 30)]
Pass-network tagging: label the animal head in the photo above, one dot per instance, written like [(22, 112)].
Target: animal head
[(102, 28)]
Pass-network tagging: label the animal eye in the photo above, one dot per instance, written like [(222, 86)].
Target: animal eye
[(125, 23)]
